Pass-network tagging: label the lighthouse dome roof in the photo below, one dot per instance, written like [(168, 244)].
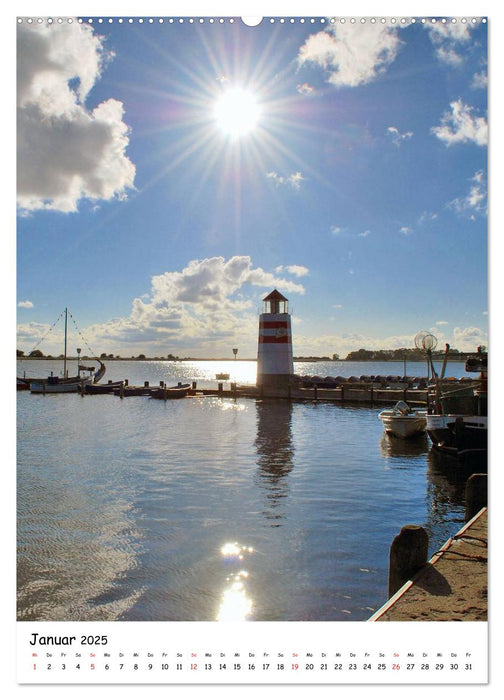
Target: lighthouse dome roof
[(275, 295)]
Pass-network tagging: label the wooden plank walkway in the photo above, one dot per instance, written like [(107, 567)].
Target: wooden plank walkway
[(452, 586)]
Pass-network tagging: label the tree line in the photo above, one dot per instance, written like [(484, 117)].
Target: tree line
[(411, 354)]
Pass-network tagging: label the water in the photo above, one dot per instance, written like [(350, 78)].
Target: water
[(209, 508)]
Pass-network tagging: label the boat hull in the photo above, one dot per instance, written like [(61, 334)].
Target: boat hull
[(103, 388), (133, 391), (458, 434), (403, 426), (59, 387), (174, 392)]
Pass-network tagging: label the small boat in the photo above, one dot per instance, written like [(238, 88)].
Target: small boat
[(173, 392), (108, 388), (403, 421), (67, 385)]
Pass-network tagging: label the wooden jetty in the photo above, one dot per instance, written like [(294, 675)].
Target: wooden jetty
[(342, 394), (452, 586)]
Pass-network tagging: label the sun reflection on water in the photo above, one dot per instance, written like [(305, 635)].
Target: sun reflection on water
[(235, 604)]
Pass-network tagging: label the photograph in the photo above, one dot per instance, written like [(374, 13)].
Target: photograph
[(251, 327)]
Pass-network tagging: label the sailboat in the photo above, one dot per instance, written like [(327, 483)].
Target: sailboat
[(65, 384)]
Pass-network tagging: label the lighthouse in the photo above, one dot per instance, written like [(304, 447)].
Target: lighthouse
[(275, 366)]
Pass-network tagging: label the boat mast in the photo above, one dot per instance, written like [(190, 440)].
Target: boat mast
[(65, 354)]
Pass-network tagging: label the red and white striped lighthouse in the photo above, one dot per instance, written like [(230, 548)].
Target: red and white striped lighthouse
[(275, 366)]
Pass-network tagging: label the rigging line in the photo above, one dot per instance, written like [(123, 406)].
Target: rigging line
[(47, 333), (79, 332)]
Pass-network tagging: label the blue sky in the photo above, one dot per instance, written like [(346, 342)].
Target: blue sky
[(358, 189)]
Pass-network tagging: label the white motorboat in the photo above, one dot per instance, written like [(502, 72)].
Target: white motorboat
[(403, 421)]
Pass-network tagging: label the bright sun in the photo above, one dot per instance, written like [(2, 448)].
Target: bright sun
[(237, 112)]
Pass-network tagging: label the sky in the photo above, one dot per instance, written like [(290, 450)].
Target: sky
[(171, 174)]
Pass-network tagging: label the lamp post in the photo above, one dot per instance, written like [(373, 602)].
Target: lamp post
[(235, 352)]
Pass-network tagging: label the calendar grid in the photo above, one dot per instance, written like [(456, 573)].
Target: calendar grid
[(206, 653)]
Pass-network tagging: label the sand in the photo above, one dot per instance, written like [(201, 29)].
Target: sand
[(452, 586)]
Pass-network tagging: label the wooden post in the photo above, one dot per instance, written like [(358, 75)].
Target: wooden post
[(219, 386), (408, 554), (315, 393), (194, 385), (476, 495)]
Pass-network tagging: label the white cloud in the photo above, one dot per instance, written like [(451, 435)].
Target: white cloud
[(427, 217), (406, 230), (352, 54), (441, 323), (293, 180), (199, 310), (336, 230), (296, 270), (475, 202), (66, 152), (450, 40), (364, 234), (306, 89), (480, 80), (468, 339), (25, 304), (460, 126), (397, 137)]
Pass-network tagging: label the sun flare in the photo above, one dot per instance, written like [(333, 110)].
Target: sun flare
[(237, 112)]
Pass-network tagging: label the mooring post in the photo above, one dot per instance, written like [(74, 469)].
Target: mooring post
[(408, 554), (219, 387), (194, 385), (476, 494)]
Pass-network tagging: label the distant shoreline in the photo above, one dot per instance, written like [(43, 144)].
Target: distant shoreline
[(459, 358)]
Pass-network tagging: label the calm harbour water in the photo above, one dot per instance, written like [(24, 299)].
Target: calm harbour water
[(210, 508)]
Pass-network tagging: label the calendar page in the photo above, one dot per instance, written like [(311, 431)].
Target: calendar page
[(252, 347)]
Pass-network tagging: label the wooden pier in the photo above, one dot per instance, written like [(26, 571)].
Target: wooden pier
[(451, 586), (343, 394)]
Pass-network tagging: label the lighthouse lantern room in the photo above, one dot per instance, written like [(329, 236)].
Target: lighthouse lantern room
[(275, 365)]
